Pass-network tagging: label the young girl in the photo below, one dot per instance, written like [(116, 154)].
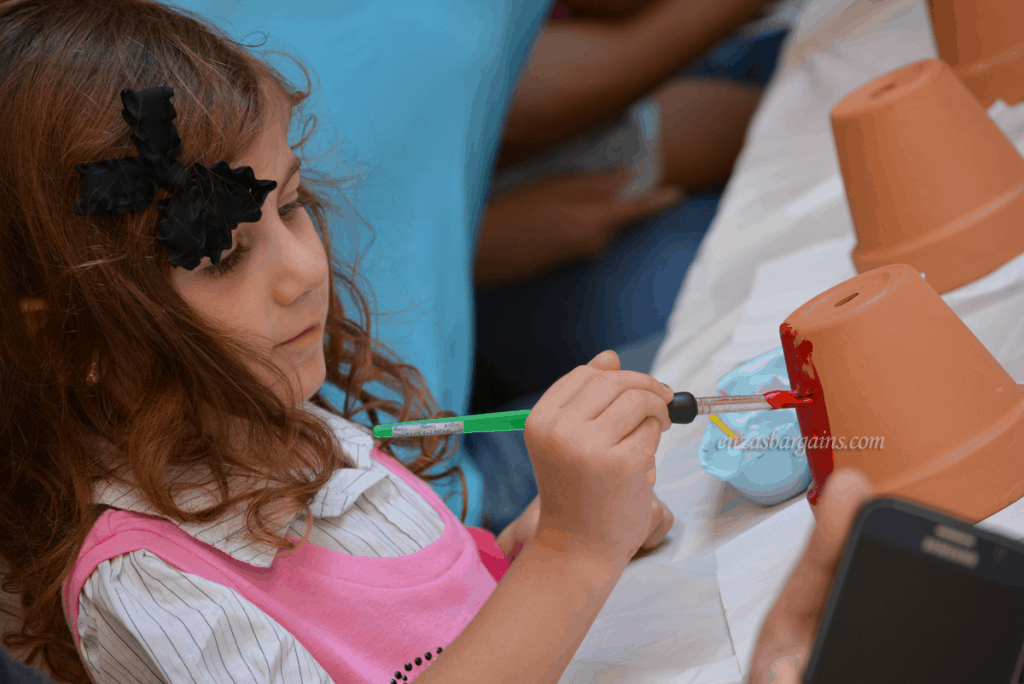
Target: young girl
[(178, 502)]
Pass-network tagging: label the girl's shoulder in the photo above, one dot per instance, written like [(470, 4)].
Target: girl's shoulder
[(227, 533)]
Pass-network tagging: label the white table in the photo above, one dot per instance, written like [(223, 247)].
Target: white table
[(690, 611)]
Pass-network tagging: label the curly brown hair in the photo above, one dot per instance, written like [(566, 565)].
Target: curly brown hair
[(78, 290)]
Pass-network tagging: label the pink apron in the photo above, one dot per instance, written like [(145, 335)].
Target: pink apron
[(362, 619)]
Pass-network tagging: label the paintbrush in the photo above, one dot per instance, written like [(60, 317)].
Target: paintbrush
[(683, 408)]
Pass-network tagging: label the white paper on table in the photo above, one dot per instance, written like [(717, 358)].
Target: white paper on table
[(752, 569), (1010, 119), (662, 618), (785, 200), (786, 193), (992, 307), (1008, 522), (781, 287), (725, 671)]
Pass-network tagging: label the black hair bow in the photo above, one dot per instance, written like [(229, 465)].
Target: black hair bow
[(207, 202)]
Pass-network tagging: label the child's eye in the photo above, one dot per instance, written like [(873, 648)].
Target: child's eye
[(229, 263), (289, 210)]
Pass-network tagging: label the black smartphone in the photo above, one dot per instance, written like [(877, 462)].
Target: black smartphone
[(922, 597)]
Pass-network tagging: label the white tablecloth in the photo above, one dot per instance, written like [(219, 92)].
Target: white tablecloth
[(690, 612)]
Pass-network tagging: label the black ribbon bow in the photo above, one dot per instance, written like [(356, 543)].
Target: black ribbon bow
[(207, 202)]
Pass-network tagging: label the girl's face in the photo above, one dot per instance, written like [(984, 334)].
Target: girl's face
[(273, 285)]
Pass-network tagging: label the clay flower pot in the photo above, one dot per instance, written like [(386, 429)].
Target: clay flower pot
[(886, 358), (931, 180), (983, 41)]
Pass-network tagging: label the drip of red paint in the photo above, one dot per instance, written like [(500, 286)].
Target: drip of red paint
[(806, 384), (783, 399)]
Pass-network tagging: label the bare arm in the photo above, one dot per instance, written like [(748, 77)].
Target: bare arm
[(530, 628), (585, 71), (530, 230)]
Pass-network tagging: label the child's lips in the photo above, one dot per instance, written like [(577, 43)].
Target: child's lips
[(303, 334)]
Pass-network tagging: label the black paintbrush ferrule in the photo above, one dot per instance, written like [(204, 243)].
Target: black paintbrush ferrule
[(683, 408)]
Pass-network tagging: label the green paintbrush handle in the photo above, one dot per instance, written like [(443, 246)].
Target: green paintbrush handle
[(683, 408), (487, 422)]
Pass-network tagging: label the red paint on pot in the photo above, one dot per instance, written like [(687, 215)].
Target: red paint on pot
[(893, 355), (812, 416), (783, 399)]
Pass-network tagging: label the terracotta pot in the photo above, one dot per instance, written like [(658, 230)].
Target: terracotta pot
[(931, 180), (983, 41), (886, 358)]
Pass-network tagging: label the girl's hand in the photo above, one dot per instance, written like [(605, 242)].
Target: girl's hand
[(592, 439), (524, 528)]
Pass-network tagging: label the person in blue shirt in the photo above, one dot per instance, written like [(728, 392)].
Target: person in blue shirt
[(589, 74)]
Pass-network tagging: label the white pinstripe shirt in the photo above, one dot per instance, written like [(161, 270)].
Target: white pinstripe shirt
[(142, 620)]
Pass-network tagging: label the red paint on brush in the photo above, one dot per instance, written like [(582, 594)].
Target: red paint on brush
[(813, 417), (783, 399)]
